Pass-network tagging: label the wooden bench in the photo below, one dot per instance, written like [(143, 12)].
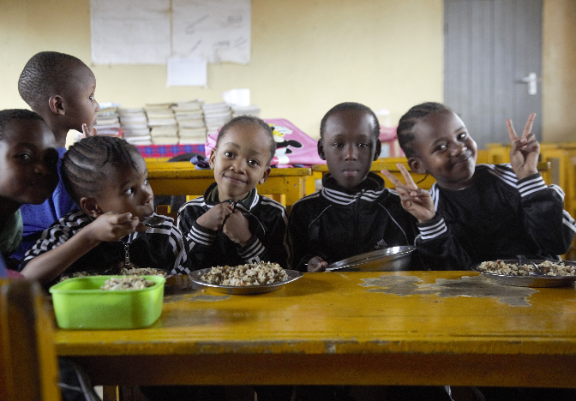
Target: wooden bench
[(28, 367)]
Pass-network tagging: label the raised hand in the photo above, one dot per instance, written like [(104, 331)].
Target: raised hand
[(525, 150), (214, 218), (317, 264), (86, 133), (112, 227), (415, 201)]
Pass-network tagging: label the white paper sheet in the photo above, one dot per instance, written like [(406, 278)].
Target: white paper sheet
[(186, 72), (130, 31), (214, 30)]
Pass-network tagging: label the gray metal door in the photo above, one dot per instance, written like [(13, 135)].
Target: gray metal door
[(492, 65)]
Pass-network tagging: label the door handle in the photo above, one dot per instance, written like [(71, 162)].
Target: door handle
[(532, 81)]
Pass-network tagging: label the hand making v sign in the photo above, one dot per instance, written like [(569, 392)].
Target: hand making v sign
[(416, 201), (525, 150)]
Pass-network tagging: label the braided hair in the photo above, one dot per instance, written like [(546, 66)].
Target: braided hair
[(404, 131), (44, 75), (84, 165), (350, 106), (249, 120), (16, 114)]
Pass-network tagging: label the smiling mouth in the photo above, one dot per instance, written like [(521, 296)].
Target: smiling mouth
[(234, 180)]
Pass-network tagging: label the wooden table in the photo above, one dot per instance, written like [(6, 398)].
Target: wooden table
[(345, 328)]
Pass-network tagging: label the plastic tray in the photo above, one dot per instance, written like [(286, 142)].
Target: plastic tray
[(79, 303)]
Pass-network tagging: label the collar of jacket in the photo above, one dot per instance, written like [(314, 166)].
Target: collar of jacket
[(370, 190), (211, 198)]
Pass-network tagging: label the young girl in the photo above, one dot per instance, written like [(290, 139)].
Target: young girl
[(485, 212), (108, 179)]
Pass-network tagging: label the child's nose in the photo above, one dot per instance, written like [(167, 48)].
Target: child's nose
[(458, 148), (147, 194), (351, 152)]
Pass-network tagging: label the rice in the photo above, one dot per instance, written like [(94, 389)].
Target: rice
[(249, 274)]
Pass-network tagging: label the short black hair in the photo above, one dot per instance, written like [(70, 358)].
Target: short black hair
[(44, 75), (16, 114), (350, 106), (250, 120), (404, 131), (83, 165)]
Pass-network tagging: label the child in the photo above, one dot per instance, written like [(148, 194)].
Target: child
[(485, 212), (231, 224), (108, 179), (28, 159), (353, 213), (60, 88)]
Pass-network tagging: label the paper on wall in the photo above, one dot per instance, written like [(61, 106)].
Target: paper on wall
[(130, 31), (215, 30), (186, 72)]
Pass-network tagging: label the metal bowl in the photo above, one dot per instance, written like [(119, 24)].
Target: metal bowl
[(247, 289), (386, 259), (534, 280)]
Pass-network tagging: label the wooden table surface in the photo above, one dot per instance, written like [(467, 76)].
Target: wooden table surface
[(359, 328)]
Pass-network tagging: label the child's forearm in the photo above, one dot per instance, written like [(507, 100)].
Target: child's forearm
[(51, 264)]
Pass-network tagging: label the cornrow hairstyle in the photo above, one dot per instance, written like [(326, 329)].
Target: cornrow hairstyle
[(16, 114), (44, 75), (404, 131), (249, 120), (350, 106), (84, 164)]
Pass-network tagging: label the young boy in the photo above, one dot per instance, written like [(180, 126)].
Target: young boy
[(353, 213), (60, 88), (231, 224), (28, 159), (485, 212)]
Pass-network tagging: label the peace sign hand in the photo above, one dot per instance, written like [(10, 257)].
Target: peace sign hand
[(525, 150), (415, 201)]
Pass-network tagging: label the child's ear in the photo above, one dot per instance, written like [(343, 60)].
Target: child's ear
[(90, 207), (378, 150), (321, 149), (56, 104), (264, 176), (211, 158), (416, 165)]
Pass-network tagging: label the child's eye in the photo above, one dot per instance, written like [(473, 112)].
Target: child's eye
[(442, 147), (146, 183), (129, 191), (228, 154), (337, 145), (91, 97), (363, 145), (463, 136), (254, 163), (25, 157)]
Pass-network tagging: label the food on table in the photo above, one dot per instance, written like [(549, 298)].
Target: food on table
[(127, 283), (140, 271), (248, 274), (548, 268)]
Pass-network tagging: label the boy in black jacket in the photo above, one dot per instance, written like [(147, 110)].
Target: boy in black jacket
[(231, 224), (485, 212), (353, 213)]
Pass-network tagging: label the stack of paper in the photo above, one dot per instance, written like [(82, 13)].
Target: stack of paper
[(215, 116), (190, 118), (251, 110), (108, 121), (135, 126), (162, 123)]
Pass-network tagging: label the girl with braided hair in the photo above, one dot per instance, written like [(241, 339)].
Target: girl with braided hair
[(108, 179)]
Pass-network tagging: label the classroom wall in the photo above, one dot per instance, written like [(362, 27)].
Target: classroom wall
[(559, 71), (306, 57)]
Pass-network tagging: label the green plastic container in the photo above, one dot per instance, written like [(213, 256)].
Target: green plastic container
[(79, 303)]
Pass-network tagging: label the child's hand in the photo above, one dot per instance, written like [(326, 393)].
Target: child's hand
[(237, 228), (214, 218), (525, 150), (112, 227), (86, 133), (415, 201), (317, 264)]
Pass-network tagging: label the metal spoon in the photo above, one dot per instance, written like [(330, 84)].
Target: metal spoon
[(154, 221), (525, 261)]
